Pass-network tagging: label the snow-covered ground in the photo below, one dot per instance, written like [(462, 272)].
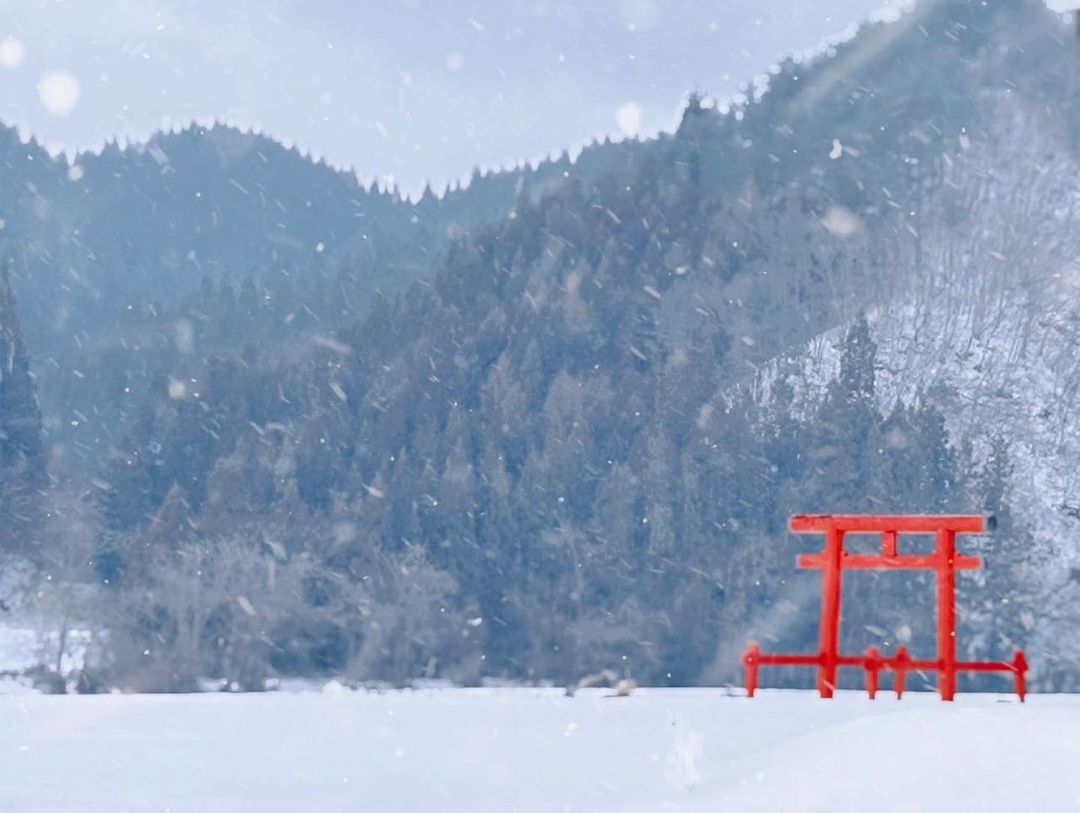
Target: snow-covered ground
[(522, 750)]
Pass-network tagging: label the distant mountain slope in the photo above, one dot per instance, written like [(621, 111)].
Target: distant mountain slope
[(145, 223), (99, 247)]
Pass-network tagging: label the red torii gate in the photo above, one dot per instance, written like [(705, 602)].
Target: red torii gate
[(834, 560)]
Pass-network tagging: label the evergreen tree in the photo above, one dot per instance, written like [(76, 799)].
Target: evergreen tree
[(1008, 551), (844, 461), (22, 456)]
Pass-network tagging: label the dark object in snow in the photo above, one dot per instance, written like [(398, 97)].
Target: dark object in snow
[(88, 681), (604, 679), (46, 680), (834, 560)]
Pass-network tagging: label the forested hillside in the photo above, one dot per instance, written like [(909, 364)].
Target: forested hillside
[(555, 422), (22, 459)]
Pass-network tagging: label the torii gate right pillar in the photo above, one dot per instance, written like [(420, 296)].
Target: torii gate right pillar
[(946, 601)]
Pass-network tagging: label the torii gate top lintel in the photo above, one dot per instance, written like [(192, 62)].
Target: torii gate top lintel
[(835, 526), (834, 560), (881, 523)]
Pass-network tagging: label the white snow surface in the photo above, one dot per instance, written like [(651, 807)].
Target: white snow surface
[(524, 750)]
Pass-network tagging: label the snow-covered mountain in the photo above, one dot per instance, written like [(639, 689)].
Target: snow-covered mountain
[(569, 439), (984, 326)]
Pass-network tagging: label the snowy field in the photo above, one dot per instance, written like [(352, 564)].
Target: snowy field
[(523, 750)]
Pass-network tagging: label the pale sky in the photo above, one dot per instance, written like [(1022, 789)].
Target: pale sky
[(414, 89)]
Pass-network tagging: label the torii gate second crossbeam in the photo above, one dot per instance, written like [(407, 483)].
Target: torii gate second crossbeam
[(834, 560)]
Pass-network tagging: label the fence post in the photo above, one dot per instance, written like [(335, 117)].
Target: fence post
[(1020, 667), (750, 660), (901, 671), (873, 667)]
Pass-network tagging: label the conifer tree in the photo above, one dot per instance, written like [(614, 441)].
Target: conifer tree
[(22, 457)]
